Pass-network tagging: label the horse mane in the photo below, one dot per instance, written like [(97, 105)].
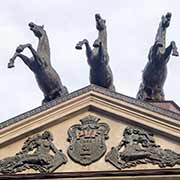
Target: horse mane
[(43, 49)]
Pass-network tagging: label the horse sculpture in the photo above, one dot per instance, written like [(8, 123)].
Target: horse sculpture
[(155, 72), (47, 78), (100, 71)]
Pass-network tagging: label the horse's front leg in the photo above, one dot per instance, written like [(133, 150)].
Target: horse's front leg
[(88, 48), (156, 49), (12, 60), (171, 48), (20, 48), (103, 55), (97, 43), (174, 49), (29, 62)]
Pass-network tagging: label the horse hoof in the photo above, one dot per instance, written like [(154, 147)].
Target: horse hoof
[(19, 49), (78, 47), (175, 53), (96, 44), (10, 65)]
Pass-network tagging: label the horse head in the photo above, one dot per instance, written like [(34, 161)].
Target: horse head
[(100, 23), (37, 29), (165, 20)]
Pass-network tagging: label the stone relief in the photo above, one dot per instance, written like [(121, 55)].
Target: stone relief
[(38, 153), (87, 140), (139, 147)]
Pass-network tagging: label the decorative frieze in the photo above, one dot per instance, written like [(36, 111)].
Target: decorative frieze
[(38, 153), (138, 147)]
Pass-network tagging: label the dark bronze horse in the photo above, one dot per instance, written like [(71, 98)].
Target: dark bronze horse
[(100, 71), (46, 76), (155, 72)]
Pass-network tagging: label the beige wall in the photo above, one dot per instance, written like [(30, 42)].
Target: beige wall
[(117, 126)]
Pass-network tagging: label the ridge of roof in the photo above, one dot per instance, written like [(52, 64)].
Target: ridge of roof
[(86, 89)]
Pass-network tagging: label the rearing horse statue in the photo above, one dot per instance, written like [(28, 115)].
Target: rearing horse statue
[(155, 72), (47, 78), (97, 58)]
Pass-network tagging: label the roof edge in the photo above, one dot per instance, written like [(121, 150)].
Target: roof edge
[(147, 172), (84, 90)]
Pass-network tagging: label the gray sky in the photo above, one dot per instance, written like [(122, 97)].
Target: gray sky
[(131, 24)]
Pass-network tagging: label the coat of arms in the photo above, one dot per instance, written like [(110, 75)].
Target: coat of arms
[(87, 140)]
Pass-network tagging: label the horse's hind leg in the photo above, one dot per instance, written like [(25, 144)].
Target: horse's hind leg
[(64, 91), (112, 88)]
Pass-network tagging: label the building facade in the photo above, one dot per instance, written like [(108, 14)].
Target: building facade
[(93, 133)]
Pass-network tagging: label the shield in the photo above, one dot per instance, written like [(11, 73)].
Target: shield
[(87, 140)]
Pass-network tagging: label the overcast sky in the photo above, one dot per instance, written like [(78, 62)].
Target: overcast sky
[(131, 26)]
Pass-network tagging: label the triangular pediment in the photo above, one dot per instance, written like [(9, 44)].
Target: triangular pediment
[(117, 114)]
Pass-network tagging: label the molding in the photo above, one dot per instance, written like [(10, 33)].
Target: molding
[(92, 101), (151, 174), (87, 89)]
